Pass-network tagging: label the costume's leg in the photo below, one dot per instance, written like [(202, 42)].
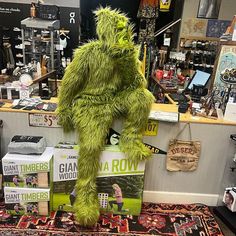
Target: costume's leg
[(136, 104), (92, 124)]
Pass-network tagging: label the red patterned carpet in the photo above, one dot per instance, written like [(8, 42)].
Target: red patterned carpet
[(156, 219)]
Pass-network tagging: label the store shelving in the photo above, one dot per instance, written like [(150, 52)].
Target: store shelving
[(39, 38)]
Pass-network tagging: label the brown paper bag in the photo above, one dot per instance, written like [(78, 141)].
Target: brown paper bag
[(183, 155)]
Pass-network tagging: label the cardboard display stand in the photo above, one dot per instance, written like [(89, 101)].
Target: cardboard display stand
[(114, 170)]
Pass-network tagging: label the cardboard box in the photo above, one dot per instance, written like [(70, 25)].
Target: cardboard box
[(229, 198), (27, 170), (21, 201), (114, 170)]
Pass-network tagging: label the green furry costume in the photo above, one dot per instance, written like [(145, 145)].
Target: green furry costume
[(103, 83)]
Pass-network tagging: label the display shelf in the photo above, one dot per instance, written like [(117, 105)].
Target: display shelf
[(200, 51), (30, 53), (200, 38), (40, 24), (33, 31), (231, 43), (228, 217)]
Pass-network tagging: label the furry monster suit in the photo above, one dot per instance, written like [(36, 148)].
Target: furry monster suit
[(102, 83)]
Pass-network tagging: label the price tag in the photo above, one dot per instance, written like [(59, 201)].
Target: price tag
[(43, 120), (151, 128)]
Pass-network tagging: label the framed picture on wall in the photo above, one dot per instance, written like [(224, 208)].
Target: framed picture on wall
[(226, 61), (209, 9)]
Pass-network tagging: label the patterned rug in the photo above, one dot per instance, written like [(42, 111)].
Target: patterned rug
[(156, 219)]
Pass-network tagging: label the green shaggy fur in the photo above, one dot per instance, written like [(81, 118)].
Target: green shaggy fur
[(104, 82)]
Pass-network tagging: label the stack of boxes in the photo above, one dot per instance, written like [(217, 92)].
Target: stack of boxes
[(27, 182), (36, 184)]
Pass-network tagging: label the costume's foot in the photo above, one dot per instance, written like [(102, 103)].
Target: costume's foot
[(135, 151), (87, 211)]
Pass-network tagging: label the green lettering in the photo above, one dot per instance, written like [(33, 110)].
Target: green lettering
[(100, 166), (123, 165), (115, 165), (27, 197), (132, 165), (106, 167)]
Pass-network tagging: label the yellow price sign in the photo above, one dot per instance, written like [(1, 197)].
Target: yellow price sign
[(151, 128)]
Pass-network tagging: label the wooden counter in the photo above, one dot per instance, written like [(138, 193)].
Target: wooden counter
[(7, 108), (184, 117)]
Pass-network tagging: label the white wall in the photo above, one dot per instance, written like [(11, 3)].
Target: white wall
[(227, 9)]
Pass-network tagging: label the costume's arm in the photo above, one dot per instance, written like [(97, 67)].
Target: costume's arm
[(134, 77), (72, 83)]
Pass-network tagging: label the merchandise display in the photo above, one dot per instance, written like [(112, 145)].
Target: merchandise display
[(40, 38), (27, 145), (97, 99), (119, 180), (27, 181), (38, 104)]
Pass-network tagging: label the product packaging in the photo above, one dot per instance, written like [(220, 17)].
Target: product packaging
[(120, 181), (30, 171), (20, 201)]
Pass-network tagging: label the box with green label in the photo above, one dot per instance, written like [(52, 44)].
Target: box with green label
[(120, 181), (21, 201), (28, 171)]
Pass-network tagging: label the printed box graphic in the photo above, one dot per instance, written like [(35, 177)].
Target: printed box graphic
[(34, 180), (27, 201), (120, 181), (32, 171)]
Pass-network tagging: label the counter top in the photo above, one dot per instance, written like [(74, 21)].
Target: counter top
[(184, 117)]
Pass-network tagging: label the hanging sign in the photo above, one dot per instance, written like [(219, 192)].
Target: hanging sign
[(165, 5), (43, 120), (113, 139)]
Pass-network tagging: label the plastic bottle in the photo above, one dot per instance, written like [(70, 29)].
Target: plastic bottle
[(33, 10)]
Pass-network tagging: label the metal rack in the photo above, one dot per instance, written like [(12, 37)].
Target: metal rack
[(34, 45)]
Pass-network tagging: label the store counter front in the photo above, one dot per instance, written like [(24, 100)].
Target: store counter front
[(171, 107), (204, 185)]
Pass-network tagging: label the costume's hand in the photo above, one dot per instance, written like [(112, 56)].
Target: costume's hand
[(65, 118)]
